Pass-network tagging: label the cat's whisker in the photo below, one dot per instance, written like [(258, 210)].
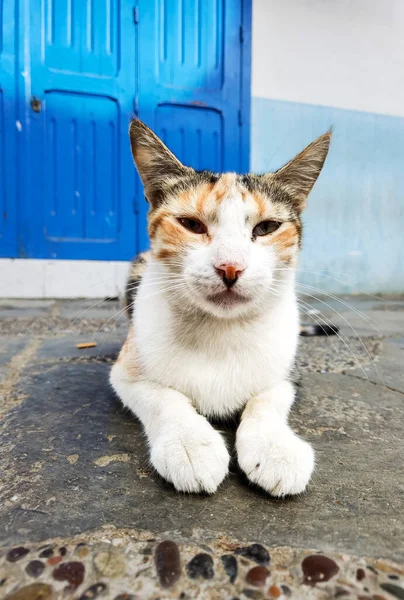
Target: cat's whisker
[(80, 316), (118, 314), (352, 328), (344, 303), (336, 298), (323, 321), (342, 338), (341, 301), (352, 285), (164, 290)]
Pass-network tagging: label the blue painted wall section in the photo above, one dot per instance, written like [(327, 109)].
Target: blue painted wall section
[(72, 74), (354, 222)]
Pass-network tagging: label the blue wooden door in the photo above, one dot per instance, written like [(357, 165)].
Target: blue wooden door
[(8, 130), (194, 73), (78, 194), (82, 68)]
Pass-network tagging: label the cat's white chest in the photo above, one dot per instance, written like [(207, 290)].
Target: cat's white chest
[(225, 368)]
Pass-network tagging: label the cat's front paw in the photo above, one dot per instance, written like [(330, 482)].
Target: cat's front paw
[(192, 456), (278, 461)]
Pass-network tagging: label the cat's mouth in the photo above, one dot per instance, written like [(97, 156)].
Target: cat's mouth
[(228, 298)]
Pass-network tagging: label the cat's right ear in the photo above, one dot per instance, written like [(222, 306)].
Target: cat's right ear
[(157, 166)]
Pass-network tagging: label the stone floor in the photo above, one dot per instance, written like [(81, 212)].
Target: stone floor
[(82, 515)]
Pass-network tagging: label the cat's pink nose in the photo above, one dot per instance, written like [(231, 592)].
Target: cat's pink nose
[(229, 273)]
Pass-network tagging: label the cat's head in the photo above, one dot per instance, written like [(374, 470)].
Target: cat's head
[(228, 240)]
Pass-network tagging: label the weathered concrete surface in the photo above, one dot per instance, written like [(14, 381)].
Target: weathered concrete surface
[(73, 460)]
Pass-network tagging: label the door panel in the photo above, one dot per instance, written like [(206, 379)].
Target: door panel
[(80, 194), (82, 36), (193, 134), (194, 81), (80, 165), (190, 41), (8, 131)]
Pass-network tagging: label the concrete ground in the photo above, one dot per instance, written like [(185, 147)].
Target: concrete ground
[(82, 513)]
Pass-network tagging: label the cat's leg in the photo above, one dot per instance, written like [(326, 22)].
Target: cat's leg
[(269, 452), (184, 448)]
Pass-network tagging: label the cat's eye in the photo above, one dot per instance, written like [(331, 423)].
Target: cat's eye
[(193, 225), (265, 228)]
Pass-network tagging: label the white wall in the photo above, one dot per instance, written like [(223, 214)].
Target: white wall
[(339, 53), (28, 278)]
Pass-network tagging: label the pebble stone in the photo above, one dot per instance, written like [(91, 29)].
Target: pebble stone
[(274, 591), (254, 594), (360, 574), (230, 566), (110, 564), (341, 592), (34, 591), (317, 568), (72, 572), (393, 589), (54, 560), (35, 568), (93, 591), (81, 550), (372, 569), (168, 563), (201, 566), (17, 553), (257, 576), (255, 552), (63, 551), (46, 553), (125, 597), (286, 590)]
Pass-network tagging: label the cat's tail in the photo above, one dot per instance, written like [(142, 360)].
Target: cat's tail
[(137, 269)]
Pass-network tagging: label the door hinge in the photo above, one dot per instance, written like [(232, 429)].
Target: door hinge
[(241, 34), (240, 118), (136, 15)]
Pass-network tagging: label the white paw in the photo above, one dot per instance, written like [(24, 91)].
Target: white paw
[(275, 459), (191, 455)]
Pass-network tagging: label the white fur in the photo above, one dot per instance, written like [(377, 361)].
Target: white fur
[(198, 358), (270, 454)]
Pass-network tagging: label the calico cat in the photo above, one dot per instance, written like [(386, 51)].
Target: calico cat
[(214, 318)]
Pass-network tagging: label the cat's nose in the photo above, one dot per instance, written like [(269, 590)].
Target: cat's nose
[(229, 273)]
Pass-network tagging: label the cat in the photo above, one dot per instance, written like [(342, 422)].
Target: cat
[(214, 318)]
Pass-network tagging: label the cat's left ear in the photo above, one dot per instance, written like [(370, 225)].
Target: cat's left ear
[(156, 164), (299, 175)]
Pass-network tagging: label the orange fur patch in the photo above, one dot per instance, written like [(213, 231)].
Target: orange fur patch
[(286, 241), (172, 232), (286, 238), (167, 252), (223, 186), (155, 220), (203, 194), (128, 357), (261, 203)]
